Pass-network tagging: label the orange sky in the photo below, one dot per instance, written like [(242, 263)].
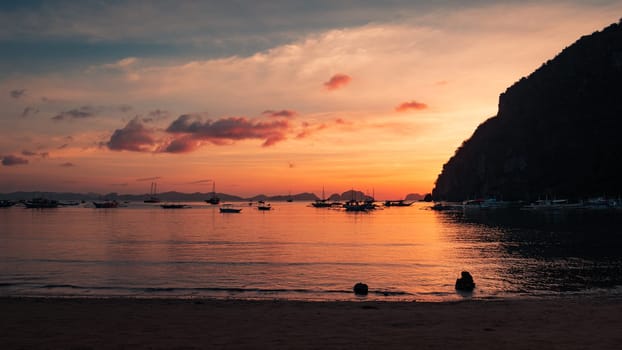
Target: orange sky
[(379, 104)]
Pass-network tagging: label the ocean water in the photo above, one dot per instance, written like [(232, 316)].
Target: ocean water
[(304, 253)]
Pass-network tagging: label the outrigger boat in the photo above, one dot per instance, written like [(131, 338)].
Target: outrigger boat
[(261, 205), (106, 204), (174, 206), (5, 203), (39, 203), (228, 208), (398, 203)]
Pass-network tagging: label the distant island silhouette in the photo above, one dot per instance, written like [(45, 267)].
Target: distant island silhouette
[(173, 196), (556, 134)]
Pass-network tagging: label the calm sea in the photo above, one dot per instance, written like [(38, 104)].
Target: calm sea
[(299, 252)]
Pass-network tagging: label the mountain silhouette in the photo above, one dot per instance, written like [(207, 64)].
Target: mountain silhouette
[(557, 133)]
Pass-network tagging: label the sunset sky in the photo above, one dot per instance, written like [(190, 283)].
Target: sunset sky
[(263, 97)]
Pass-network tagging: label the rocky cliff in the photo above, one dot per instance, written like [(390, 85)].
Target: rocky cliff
[(557, 133)]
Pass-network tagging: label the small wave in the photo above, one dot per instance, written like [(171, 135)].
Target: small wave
[(391, 293), (52, 286), (215, 263), (237, 290), (208, 291)]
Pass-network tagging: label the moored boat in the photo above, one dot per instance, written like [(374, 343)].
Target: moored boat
[(214, 200), (174, 206), (354, 205), (481, 203), (261, 205), (228, 208), (106, 204), (439, 206), (6, 203), (552, 204), (323, 202), (40, 203), (69, 203), (153, 191), (397, 203)]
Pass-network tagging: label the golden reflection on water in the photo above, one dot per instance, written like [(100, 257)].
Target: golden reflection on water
[(293, 251)]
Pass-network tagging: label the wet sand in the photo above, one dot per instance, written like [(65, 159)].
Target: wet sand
[(565, 323)]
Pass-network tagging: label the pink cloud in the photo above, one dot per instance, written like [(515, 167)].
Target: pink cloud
[(341, 121), (11, 160), (67, 165), (309, 129), (337, 81), (286, 113), (226, 130), (412, 105), (133, 137)]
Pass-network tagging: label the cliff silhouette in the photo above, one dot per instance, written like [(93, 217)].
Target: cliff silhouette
[(557, 133)]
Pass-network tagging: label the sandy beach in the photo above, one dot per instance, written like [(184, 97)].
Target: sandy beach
[(568, 323)]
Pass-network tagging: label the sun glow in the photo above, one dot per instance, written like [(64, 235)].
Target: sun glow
[(379, 106)]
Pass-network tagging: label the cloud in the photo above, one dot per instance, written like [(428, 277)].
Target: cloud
[(28, 111), (122, 63), (28, 153), (88, 111), (67, 165), (337, 81), (156, 115), (286, 113), (13, 160), (189, 131), (227, 130), (17, 93), (77, 113), (198, 182), (309, 129), (133, 137), (149, 179), (182, 145), (127, 66), (412, 105), (125, 108)]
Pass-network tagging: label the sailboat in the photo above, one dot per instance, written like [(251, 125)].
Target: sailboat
[(321, 203), (153, 191), (213, 199)]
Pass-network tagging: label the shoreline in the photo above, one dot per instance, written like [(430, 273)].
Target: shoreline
[(117, 323)]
